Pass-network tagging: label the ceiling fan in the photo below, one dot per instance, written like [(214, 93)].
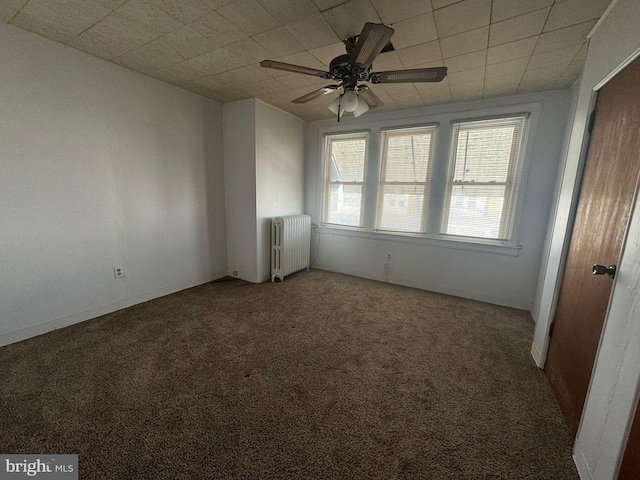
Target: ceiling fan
[(354, 67)]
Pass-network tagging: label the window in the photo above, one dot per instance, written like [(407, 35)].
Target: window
[(453, 180), (345, 164), (403, 180), (483, 175)]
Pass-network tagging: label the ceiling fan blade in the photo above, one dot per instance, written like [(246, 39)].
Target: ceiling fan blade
[(287, 67), (316, 93), (435, 74), (366, 94), (373, 38)]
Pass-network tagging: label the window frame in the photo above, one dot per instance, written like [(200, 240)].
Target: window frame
[(514, 174), (364, 134), (444, 117), (385, 134)]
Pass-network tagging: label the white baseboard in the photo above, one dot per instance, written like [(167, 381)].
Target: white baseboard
[(51, 325), (581, 462), (430, 287), (537, 355)]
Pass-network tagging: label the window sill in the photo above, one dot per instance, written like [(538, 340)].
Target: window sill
[(421, 239)]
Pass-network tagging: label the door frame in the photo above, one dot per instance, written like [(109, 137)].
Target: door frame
[(601, 439)]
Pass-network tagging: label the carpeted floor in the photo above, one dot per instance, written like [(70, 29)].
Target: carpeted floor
[(323, 376)]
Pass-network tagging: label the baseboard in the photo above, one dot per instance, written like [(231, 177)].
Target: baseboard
[(537, 355), (581, 462), (51, 325), (430, 287)]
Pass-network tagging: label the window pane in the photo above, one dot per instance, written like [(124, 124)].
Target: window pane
[(402, 207), (344, 204), (347, 160), (483, 154), (407, 158), (475, 211)]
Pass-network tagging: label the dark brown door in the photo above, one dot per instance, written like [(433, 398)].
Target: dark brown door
[(630, 469), (604, 206)]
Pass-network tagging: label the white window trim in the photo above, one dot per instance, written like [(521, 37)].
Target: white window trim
[(432, 130), (516, 170), (364, 134), (444, 120)]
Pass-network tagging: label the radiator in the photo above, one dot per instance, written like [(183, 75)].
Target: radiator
[(290, 245)]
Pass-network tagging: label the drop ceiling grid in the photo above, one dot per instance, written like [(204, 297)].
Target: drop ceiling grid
[(213, 47)]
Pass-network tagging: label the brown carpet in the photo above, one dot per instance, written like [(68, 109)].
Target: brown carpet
[(323, 376)]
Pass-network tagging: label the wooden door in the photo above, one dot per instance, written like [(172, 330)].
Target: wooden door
[(630, 469), (604, 206)]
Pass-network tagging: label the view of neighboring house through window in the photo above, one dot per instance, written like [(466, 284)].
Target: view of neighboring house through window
[(484, 172), (346, 158), (403, 183)]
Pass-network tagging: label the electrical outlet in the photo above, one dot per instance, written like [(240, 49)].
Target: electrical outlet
[(118, 272), (388, 256)]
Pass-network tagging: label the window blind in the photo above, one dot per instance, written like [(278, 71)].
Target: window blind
[(484, 174), (346, 166), (403, 180)]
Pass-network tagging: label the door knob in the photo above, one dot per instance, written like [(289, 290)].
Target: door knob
[(601, 270)]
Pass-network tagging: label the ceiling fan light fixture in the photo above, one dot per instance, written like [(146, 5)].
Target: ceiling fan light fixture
[(350, 101), (335, 106), (363, 107)]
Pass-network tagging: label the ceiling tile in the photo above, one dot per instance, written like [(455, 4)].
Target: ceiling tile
[(249, 16), (287, 11), (466, 76), (327, 4), (9, 8), (463, 16), (184, 11), (113, 36), (505, 81), (143, 60), (297, 80), (301, 58), (216, 4), (217, 28), (59, 20), (516, 28), (546, 74), (426, 52), (313, 32), (328, 52), (178, 46), (145, 13), (512, 67), (272, 85), (420, 29), (279, 42), (396, 88), (572, 12), (210, 63), (554, 57), (467, 91), (392, 12), (438, 91), (387, 61), (504, 9), (348, 19), (248, 50), (466, 62), (511, 51), (248, 74), (466, 42), (430, 88), (443, 3), (564, 37)]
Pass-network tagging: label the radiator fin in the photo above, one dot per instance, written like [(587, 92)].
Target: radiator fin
[(290, 245)]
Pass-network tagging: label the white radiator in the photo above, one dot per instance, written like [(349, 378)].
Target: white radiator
[(290, 245)]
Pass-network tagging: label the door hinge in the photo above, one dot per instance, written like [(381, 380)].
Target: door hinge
[(553, 324)]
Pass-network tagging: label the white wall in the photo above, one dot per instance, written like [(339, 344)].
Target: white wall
[(239, 130), (100, 167), (505, 279), (280, 174), (264, 177), (612, 395)]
